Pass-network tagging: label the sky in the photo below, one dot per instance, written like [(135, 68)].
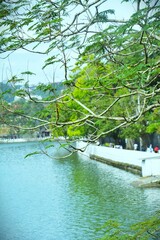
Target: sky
[(21, 61)]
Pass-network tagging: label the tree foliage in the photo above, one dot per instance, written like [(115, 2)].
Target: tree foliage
[(115, 80), (145, 230)]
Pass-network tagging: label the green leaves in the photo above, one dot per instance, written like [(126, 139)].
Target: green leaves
[(117, 62), (32, 154), (50, 61), (28, 73), (14, 79), (145, 230), (103, 16)]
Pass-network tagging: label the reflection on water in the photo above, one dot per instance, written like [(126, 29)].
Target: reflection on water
[(69, 199)]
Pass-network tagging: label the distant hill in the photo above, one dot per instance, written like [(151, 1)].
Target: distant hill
[(51, 89), (6, 91), (42, 90)]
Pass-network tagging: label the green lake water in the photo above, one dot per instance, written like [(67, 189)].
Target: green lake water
[(65, 199)]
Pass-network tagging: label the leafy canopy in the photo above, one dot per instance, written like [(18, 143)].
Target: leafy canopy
[(115, 79)]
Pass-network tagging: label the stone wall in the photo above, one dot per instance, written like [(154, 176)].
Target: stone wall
[(143, 163)]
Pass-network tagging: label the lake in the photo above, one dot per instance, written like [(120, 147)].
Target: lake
[(65, 199)]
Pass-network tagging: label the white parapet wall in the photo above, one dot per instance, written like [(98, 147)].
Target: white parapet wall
[(151, 166), (149, 163)]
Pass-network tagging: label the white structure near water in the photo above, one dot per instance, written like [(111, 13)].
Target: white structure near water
[(148, 163)]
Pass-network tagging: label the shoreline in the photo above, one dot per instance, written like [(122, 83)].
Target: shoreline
[(135, 169), (132, 162), (22, 140), (145, 165)]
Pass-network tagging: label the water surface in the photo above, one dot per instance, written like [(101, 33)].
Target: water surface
[(65, 199)]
